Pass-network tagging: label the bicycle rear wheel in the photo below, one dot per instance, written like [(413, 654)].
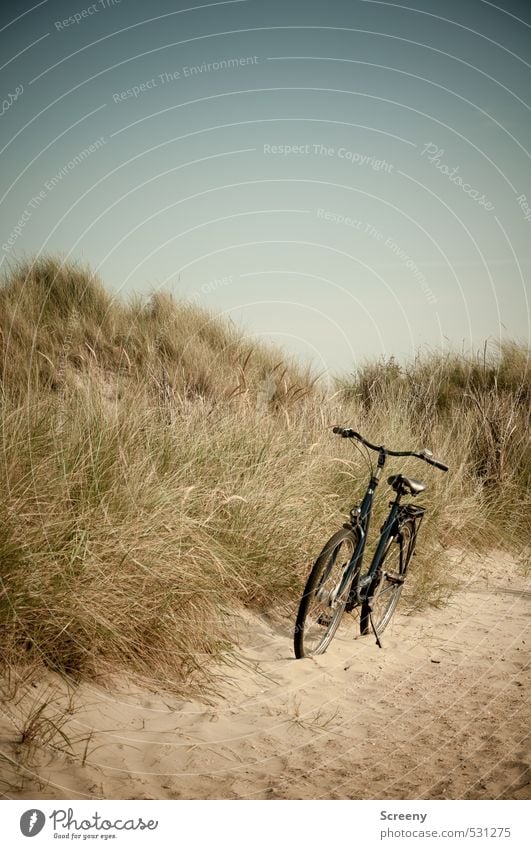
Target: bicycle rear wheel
[(321, 609), (385, 591)]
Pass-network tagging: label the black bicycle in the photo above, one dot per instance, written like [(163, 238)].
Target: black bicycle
[(336, 583)]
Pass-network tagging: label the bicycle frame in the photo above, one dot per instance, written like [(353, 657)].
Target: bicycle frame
[(360, 521)]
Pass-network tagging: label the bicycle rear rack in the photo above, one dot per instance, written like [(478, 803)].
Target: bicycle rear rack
[(412, 511)]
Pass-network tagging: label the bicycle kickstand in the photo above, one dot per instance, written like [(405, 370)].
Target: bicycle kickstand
[(378, 641)]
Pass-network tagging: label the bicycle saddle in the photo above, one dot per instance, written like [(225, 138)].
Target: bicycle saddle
[(406, 484)]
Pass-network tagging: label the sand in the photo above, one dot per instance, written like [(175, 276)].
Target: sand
[(440, 712)]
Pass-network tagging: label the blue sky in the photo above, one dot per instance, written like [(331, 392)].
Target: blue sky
[(348, 179)]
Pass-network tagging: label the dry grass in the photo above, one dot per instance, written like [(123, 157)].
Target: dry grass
[(159, 470), (38, 721)]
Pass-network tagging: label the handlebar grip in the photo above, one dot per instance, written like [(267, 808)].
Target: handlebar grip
[(344, 431), (442, 466)]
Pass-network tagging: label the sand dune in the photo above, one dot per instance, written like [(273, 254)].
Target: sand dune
[(439, 712)]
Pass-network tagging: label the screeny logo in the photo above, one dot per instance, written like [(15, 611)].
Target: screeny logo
[(32, 822)]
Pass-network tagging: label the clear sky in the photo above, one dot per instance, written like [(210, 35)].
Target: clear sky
[(349, 178)]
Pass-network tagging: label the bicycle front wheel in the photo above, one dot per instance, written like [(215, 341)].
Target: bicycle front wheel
[(384, 594), (321, 608)]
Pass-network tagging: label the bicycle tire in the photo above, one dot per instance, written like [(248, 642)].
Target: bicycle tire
[(384, 593), (323, 568)]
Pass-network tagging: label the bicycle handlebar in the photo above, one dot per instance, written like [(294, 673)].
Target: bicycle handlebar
[(437, 463), (425, 455)]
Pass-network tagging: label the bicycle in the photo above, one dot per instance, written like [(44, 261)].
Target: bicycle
[(336, 583)]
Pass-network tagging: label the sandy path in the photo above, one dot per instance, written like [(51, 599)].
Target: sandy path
[(441, 712)]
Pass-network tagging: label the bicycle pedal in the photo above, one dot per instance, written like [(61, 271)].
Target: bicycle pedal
[(394, 578), (324, 620)]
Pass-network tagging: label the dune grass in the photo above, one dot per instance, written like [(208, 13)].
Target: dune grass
[(159, 471)]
